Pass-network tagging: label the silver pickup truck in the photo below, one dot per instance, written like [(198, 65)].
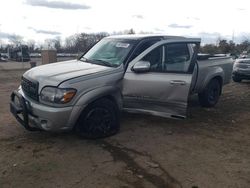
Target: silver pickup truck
[(148, 74)]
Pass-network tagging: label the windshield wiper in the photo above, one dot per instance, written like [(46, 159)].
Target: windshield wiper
[(96, 61), (102, 62)]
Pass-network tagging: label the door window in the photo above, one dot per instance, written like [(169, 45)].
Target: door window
[(177, 58), (169, 58), (155, 59), (143, 46)]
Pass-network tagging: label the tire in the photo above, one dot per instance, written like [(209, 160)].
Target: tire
[(236, 79), (210, 96), (100, 119)]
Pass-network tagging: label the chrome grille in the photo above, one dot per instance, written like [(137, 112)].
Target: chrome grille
[(30, 88)]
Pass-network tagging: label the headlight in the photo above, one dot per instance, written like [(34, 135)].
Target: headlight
[(236, 66), (57, 95)]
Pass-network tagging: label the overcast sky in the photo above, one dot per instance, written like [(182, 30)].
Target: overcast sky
[(42, 19)]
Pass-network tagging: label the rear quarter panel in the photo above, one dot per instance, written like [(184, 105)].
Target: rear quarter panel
[(213, 67)]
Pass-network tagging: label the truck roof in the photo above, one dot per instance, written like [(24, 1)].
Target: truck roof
[(145, 36)]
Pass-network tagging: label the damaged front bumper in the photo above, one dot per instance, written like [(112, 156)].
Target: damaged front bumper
[(35, 116)]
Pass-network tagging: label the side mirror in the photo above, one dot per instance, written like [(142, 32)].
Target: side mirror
[(141, 66)]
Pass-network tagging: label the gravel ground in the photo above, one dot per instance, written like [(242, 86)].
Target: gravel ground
[(209, 149)]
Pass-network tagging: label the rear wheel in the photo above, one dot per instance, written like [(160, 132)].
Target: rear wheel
[(236, 79), (210, 96), (100, 119)]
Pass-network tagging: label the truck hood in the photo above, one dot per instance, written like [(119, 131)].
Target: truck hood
[(55, 73)]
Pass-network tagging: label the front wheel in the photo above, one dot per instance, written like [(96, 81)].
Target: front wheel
[(236, 79), (100, 119), (210, 96)]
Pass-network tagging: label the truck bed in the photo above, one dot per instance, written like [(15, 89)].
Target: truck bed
[(210, 67)]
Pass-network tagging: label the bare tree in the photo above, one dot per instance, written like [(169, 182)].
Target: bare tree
[(131, 31), (31, 45), (57, 43), (48, 43), (16, 39), (81, 42), (70, 43)]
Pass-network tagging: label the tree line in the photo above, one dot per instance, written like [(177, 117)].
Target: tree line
[(78, 43), (72, 44), (226, 47)]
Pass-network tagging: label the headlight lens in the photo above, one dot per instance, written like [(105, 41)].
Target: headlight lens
[(57, 95), (236, 66)]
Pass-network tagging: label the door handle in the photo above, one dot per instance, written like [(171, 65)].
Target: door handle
[(177, 82)]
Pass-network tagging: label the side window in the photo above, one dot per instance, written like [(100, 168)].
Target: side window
[(143, 47), (177, 58), (155, 59), (169, 58)]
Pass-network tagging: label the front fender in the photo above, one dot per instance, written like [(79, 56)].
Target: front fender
[(87, 98), (97, 93)]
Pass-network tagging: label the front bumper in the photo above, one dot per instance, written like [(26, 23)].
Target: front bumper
[(243, 74), (33, 115)]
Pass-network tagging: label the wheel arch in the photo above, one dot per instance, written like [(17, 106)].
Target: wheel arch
[(205, 96), (108, 92), (217, 74), (220, 80)]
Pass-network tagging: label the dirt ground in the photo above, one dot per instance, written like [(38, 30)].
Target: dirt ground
[(209, 149)]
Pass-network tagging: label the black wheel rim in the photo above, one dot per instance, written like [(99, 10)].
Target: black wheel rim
[(213, 94), (98, 121)]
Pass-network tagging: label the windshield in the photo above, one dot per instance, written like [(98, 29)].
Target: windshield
[(109, 52)]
